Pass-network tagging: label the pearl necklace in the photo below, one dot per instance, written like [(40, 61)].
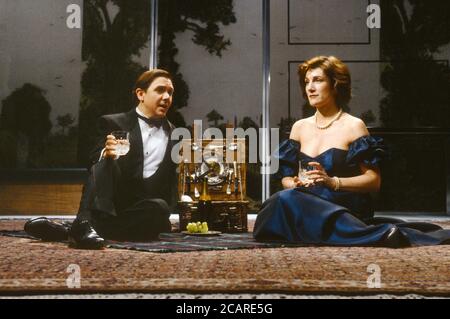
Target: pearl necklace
[(324, 127)]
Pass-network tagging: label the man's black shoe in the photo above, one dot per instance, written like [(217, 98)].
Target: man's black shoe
[(83, 236), (46, 229)]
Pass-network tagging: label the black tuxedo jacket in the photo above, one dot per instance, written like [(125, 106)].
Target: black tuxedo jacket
[(127, 171)]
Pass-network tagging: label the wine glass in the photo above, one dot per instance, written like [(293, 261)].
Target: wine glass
[(123, 142)]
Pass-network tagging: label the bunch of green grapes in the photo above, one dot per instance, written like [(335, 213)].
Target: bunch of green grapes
[(197, 227)]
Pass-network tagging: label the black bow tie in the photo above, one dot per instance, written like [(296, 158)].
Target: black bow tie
[(156, 122)]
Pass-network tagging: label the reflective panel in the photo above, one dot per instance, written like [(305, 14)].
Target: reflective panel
[(40, 90), (214, 48), (62, 65)]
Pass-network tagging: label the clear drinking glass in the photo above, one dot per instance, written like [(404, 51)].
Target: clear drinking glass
[(123, 142), (302, 169)]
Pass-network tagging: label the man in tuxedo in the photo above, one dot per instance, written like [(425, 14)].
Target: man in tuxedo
[(126, 197)]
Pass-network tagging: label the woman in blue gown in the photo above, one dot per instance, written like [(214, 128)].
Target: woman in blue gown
[(331, 204)]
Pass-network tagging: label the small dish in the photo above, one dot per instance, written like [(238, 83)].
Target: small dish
[(207, 234)]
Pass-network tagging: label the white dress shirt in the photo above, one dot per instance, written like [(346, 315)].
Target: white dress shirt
[(155, 142)]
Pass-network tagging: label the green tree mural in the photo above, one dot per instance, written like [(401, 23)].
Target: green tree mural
[(412, 32), (65, 121), (214, 117), (25, 117), (201, 17), (114, 33)]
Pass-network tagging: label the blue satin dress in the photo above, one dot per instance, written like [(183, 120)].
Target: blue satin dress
[(321, 216)]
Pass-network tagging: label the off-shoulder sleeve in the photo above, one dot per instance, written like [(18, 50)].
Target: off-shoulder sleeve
[(288, 156), (368, 150)]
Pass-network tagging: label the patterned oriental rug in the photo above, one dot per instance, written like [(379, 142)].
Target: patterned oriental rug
[(31, 266), (178, 242)]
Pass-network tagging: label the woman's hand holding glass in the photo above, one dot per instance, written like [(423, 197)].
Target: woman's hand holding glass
[(318, 175)]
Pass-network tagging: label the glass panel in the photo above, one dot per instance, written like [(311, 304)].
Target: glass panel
[(415, 44), (40, 71), (399, 63), (115, 52), (63, 63), (214, 49)]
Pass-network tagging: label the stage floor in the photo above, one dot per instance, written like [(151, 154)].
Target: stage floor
[(33, 267)]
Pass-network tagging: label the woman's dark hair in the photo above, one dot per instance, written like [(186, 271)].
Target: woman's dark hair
[(336, 71)]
